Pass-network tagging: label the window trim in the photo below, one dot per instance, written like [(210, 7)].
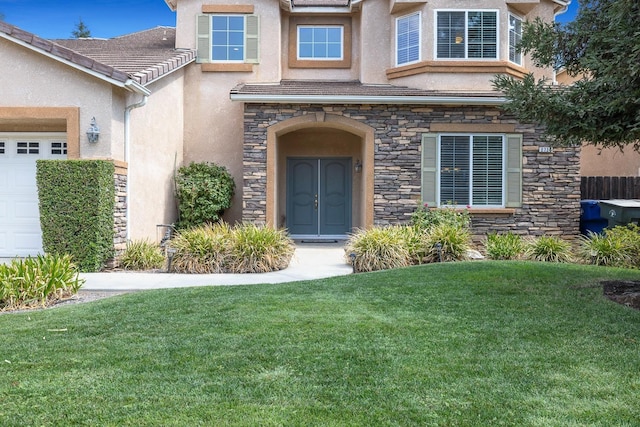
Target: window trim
[(466, 27), (511, 14), (301, 26), (325, 21), (419, 15)]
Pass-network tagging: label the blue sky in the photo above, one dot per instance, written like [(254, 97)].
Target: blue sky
[(104, 18)]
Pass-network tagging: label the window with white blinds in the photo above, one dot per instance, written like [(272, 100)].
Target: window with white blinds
[(515, 37), (408, 39), (467, 34), (471, 170)]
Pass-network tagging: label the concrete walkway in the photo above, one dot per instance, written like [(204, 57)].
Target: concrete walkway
[(311, 261)]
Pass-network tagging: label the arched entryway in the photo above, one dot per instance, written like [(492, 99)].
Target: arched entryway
[(320, 175)]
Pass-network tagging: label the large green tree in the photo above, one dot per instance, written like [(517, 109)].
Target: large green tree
[(601, 48)]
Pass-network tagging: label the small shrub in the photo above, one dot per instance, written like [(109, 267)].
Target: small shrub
[(204, 249), (617, 247), (204, 191), (378, 248), (257, 249), (426, 218), (504, 246), (142, 255), (37, 281), (548, 249), (455, 241)]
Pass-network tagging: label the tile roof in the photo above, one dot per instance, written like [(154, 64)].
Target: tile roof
[(142, 57), (341, 91), (320, 3)]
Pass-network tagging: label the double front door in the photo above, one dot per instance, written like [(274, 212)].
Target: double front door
[(318, 196)]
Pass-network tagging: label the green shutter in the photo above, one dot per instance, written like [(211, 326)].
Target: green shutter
[(203, 42), (429, 168), (251, 39), (513, 182)]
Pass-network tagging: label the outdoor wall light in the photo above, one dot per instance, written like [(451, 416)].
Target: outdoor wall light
[(93, 134), (358, 166)]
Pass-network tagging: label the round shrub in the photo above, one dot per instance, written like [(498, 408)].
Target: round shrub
[(204, 191)]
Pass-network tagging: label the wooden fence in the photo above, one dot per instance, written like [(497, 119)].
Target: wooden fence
[(609, 187)]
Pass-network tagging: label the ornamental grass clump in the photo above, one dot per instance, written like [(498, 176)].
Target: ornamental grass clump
[(258, 249), (219, 248), (617, 247), (506, 246), (378, 248), (548, 249), (448, 241), (205, 249), (38, 282), (142, 255)]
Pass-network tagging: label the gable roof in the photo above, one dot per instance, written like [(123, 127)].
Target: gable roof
[(355, 92), (131, 61)]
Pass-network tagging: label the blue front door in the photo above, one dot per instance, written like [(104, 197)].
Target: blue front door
[(318, 196)]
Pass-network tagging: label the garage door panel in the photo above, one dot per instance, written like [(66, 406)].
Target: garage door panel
[(20, 233), (26, 210), (27, 241)]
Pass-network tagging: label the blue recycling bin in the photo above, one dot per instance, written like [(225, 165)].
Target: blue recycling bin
[(589, 209), (590, 219)]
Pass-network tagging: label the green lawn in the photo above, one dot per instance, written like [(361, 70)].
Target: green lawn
[(455, 344)]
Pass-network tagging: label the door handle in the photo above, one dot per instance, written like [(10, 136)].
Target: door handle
[(315, 202)]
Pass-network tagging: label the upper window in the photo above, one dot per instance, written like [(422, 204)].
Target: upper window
[(515, 37), (227, 38), (476, 170), (408, 39), (320, 42), (467, 34)]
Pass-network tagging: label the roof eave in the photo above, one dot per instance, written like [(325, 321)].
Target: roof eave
[(362, 99), (128, 84)]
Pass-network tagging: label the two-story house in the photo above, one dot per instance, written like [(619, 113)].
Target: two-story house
[(337, 114), (330, 114)]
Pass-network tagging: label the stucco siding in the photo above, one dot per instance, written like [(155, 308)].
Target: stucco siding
[(156, 151), (33, 80)]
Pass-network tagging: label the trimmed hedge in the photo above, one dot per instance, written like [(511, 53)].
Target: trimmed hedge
[(77, 203)]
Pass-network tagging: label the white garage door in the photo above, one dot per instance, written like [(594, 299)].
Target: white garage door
[(20, 233)]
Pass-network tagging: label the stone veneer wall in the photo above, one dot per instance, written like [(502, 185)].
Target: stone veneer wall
[(551, 183), (120, 212)]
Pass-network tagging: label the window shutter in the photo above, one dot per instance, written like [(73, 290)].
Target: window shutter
[(513, 182), (203, 41), (429, 168), (251, 39)]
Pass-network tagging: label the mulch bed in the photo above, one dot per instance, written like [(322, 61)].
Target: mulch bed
[(623, 292)]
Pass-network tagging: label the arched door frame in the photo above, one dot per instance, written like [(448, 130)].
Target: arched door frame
[(316, 120)]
